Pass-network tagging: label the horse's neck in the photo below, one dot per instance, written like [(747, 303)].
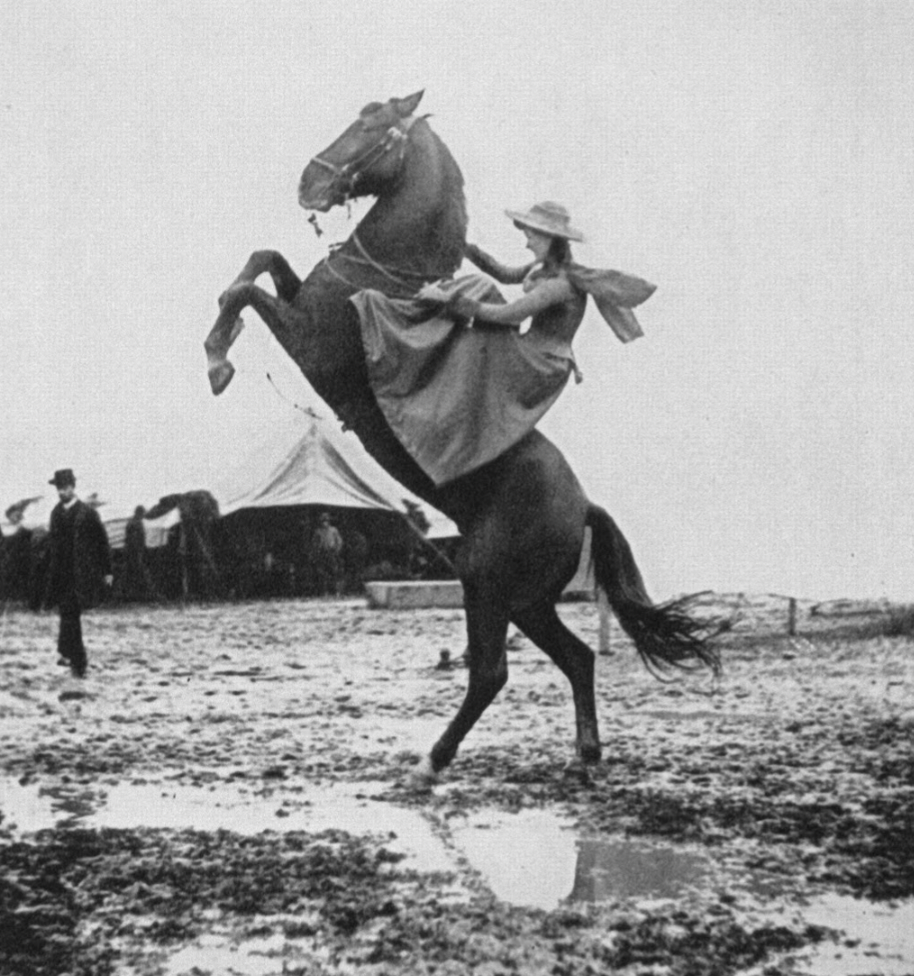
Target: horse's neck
[(420, 224)]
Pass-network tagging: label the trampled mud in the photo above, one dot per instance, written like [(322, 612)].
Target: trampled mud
[(227, 792)]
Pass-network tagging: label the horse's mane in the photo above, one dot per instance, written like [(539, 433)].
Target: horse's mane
[(454, 226), (438, 244)]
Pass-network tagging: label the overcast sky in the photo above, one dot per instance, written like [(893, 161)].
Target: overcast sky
[(754, 160)]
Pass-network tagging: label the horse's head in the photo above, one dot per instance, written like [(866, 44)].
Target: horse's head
[(363, 159)]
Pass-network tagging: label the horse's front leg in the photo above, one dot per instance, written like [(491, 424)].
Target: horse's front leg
[(227, 327), (285, 280), (228, 324), (217, 345)]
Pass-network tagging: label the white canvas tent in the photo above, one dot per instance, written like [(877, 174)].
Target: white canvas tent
[(313, 463)]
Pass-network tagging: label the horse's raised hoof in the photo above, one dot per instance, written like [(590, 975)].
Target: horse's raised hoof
[(423, 777), (220, 376)]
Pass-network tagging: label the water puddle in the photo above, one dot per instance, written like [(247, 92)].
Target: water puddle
[(227, 806), (27, 808), (246, 959), (875, 938), (252, 957), (535, 858)]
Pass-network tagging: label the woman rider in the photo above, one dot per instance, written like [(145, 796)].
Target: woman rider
[(458, 397)]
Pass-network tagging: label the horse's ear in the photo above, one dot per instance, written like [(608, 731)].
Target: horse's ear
[(406, 106)]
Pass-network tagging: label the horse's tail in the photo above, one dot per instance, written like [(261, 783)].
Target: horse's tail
[(665, 635)]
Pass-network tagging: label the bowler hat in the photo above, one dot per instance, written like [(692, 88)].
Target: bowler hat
[(62, 478), (548, 218)]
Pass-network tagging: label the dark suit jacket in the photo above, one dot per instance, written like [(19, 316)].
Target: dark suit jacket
[(91, 557)]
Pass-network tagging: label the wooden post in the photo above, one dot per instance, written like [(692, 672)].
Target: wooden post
[(605, 620), (792, 617), (182, 549)]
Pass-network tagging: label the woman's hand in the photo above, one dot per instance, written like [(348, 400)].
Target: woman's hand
[(432, 293), (455, 303), (462, 306)]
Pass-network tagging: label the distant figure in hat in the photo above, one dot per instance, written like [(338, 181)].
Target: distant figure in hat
[(80, 567), (327, 557), (135, 572), (468, 384), (16, 555)]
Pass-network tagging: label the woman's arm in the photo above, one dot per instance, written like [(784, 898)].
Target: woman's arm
[(495, 269), (550, 291)]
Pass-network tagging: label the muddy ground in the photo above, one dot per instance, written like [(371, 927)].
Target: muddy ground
[(226, 793)]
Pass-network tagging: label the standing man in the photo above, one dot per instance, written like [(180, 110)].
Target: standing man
[(80, 567)]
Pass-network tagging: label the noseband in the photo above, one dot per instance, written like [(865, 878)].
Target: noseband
[(347, 175)]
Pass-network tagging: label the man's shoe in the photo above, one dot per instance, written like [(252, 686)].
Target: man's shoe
[(63, 662)]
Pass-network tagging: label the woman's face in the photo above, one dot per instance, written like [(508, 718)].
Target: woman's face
[(537, 242)]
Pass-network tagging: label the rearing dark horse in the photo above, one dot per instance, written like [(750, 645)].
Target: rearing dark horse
[(522, 516)]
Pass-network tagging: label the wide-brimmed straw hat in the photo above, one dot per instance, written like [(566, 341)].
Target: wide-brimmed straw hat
[(548, 218)]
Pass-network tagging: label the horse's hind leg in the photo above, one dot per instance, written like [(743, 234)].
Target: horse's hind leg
[(487, 663), (228, 326), (576, 661)]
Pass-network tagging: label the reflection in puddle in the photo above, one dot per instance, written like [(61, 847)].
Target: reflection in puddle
[(533, 858), (624, 868)]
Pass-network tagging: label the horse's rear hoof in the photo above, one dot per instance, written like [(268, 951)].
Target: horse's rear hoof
[(220, 376), (590, 755), (577, 769), (423, 777)]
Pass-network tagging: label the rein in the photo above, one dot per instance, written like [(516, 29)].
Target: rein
[(393, 274)]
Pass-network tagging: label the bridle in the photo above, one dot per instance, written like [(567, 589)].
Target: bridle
[(346, 176), (395, 139)]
